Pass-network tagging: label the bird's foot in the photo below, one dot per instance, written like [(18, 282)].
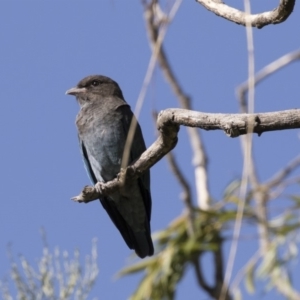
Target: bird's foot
[(100, 187)]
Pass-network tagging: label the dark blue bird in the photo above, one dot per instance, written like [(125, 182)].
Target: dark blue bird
[(103, 123)]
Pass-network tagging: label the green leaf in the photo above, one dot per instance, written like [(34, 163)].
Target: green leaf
[(249, 279), (140, 266), (231, 188)]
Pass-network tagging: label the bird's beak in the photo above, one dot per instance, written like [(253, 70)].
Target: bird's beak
[(75, 91)]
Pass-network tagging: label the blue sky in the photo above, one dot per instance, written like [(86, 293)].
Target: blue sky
[(48, 46)]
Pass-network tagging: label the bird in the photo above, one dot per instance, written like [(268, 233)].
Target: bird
[(103, 124)]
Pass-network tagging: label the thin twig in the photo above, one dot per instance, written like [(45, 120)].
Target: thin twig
[(199, 155), (282, 174), (265, 72), (200, 278), (249, 166), (277, 192), (213, 291), (147, 79)]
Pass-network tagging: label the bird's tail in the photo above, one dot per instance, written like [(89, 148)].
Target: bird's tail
[(142, 243)]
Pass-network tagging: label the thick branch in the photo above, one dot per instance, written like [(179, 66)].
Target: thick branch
[(275, 16), (233, 125), (168, 123), (186, 194)]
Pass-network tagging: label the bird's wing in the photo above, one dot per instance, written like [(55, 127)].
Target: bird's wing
[(137, 148), (86, 161), (108, 205)]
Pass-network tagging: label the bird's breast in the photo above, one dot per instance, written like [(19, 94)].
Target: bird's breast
[(104, 140)]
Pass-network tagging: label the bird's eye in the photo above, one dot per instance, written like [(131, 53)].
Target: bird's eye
[(95, 83)]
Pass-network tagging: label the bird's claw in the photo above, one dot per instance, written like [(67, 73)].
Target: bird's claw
[(99, 186)]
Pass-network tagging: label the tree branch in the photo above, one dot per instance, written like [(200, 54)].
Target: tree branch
[(268, 70), (200, 278), (154, 20), (186, 193), (168, 123), (282, 174), (213, 291), (275, 16)]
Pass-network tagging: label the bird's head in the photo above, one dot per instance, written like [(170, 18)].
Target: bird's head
[(94, 88)]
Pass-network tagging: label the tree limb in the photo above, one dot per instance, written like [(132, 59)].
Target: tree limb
[(275, 16), (215, 290), (168, 123)]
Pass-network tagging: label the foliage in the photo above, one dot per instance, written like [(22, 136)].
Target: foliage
[(177, 248), (56, 277)]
